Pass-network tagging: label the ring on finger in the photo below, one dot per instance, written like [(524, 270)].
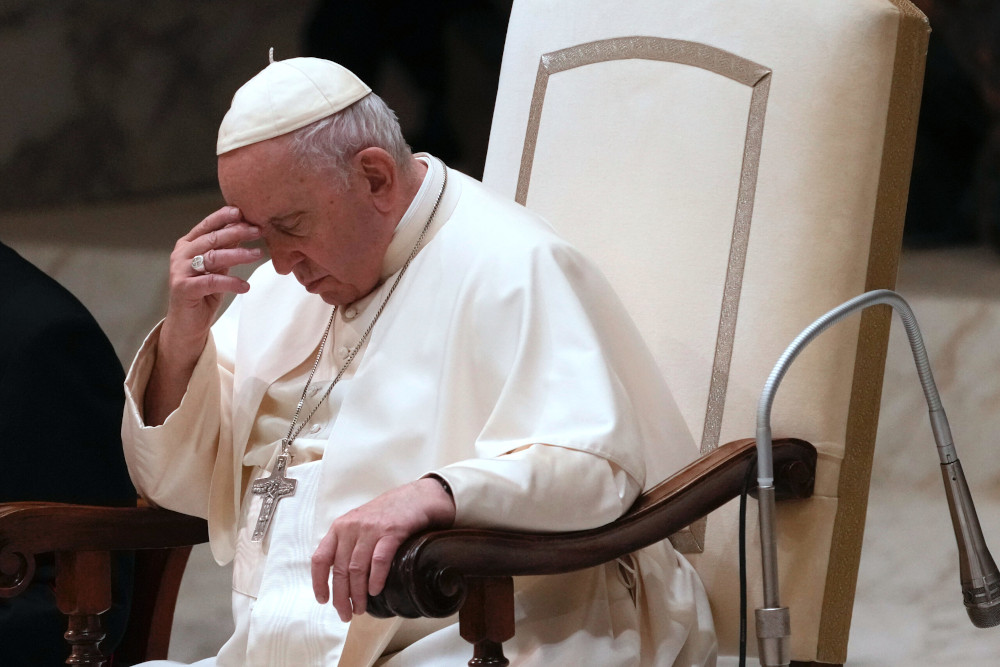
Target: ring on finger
[(198, 264)]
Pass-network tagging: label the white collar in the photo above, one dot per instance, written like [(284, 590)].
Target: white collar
[(412, 223)]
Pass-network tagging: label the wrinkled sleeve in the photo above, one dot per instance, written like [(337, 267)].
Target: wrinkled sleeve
[(573, 408), (580, 490), (171, 465)]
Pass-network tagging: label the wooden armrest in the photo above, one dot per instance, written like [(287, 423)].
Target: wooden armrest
[(428, 574), (31, 528)]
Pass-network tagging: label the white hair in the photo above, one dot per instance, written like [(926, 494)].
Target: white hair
[(331, 142)]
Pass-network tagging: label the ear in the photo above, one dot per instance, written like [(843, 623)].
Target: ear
[(379, 174)]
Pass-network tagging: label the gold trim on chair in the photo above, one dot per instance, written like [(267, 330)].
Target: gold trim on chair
[(873, 336), (732, 67), (734, 272), (714, 60)]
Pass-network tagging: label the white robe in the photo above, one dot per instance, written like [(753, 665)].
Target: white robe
[(500, 336)]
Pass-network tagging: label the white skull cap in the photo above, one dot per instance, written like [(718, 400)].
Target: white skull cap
[(284, 96)]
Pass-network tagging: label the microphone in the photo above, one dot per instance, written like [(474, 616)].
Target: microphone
[(977, 570), (978, 573)]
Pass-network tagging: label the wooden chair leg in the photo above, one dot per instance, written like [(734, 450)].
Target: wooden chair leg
[(83, 593), (158, 574), (486, 619)]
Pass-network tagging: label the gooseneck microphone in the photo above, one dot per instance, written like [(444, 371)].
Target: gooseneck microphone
[(977, 571)]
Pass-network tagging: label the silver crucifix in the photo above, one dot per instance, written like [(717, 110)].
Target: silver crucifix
[(274, 487)]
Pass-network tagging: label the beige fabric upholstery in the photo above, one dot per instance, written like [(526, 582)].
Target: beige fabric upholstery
[(737, 169)]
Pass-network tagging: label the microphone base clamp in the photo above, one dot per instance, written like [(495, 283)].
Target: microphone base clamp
[(773, 631)]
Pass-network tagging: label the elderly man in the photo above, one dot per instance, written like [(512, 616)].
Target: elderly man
[(418, 353)]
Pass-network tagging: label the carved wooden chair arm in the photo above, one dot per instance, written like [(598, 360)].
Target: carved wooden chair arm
[(438, 573), (31, 528), (83, 538)]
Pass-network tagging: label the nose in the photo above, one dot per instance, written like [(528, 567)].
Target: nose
[(284, 259)]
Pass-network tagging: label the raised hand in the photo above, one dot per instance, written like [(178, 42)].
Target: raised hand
[(197, 288), (196, 291)]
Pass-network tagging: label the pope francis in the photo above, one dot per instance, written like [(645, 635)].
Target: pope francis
[(417, 353)]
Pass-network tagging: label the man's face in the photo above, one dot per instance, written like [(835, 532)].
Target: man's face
[(330, 238)]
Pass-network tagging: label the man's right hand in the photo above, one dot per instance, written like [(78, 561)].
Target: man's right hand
[(195, 296)]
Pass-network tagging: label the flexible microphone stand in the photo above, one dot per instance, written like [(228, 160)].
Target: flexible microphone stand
[(978, 572)]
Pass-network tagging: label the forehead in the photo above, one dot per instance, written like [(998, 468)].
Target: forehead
[(262, 178), (257, 162)]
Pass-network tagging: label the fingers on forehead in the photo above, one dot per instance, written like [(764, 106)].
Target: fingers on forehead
[(214, 283), (217, 220), (230, 236)]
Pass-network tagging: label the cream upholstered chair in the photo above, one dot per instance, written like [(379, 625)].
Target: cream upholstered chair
[(737, 168)]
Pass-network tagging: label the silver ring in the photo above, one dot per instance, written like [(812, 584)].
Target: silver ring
[(198, 263)]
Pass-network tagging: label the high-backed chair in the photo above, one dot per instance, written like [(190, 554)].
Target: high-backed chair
[(736, 168)]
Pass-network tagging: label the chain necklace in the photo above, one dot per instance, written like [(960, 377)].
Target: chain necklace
[(276, 486)]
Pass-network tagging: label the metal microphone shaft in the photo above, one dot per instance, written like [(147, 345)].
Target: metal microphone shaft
[(979, 574)]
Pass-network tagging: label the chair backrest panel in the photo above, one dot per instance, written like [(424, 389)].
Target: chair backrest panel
[(690, 175), (735, 168)]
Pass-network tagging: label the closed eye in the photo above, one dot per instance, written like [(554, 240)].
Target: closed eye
[(291, 225)]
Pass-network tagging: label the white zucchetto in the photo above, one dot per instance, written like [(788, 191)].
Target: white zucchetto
[(284, 96)]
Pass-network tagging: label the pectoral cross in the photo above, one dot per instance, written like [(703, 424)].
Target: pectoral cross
[(274, 487)]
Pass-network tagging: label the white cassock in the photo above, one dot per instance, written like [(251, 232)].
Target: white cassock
[(503, 363)]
